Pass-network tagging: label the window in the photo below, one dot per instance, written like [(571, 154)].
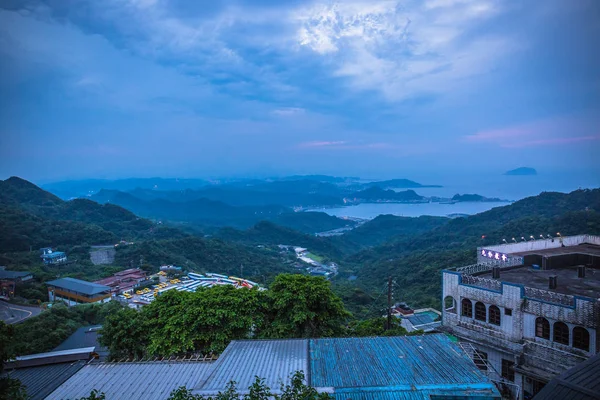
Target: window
[(508, 311), (581, 338), (508, 370), (480, 311), (494, 317), (466, 308), (561, 333), (450, 304), (542, 328), (480, 359)]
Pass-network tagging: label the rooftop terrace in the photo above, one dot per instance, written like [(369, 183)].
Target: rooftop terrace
[(567, 280)]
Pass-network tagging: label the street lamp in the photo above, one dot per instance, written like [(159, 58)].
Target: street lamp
[(531, 237), (514, 240)]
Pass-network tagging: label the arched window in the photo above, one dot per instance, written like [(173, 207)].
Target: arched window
[(466, 308), (542, 328), (494, 317), (581, 338), (480, 311), (450, 304), (561, 333)]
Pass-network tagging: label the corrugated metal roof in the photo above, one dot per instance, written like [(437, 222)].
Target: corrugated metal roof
[(83, 350), (136, 380), (242, 361), (79, 286), (430, 362), (41, 381), (416, 395), (421, 318), (86, 336), (580, 382)]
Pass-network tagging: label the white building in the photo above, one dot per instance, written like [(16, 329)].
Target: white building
[(527, 311)]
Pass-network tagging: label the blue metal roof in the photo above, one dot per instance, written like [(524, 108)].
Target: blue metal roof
[(416, 395), (242, 361), (77, 285), (56, 254), (421, 318), (400, 364)]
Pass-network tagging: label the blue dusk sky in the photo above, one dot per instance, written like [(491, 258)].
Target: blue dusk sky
[(376, 88)]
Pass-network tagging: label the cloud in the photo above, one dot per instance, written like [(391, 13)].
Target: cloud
[(403, 51), (288, 111), (318, 144), (562, 130), (551, 141)]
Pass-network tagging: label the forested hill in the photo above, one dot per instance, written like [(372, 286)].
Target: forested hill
[(31, 218), (417, 260), (25, 205)]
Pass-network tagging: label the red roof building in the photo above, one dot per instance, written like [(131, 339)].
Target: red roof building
[(124, 281)]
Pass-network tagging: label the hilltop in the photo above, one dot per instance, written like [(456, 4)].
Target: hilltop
[(521, 171)]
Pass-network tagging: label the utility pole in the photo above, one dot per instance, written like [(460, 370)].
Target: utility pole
[(241, 270), (389, 308)]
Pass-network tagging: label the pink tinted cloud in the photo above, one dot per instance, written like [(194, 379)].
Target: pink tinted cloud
[(321, 144), (550, 141), (556, 131)]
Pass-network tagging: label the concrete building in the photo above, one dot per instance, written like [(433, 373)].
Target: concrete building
[(9, 280), (75, 291), (51, 257), (527, 311)]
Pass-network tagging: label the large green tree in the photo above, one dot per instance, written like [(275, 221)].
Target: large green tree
[(303, 306), (10, 389), (205, 321), (125, 334)]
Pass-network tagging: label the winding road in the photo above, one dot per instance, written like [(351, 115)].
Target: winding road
[(13, 313)]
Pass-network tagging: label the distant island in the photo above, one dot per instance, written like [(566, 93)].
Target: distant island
[(474, 198), (377, 194), (521, 171), (399, 184)]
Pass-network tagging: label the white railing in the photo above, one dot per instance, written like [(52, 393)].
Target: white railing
[(474, 269), (491, 284)]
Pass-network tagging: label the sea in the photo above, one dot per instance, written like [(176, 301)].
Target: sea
[(511, 188)]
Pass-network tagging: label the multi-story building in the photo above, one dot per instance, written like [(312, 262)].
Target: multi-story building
[(75, 291), (51, 257), (527, 311)]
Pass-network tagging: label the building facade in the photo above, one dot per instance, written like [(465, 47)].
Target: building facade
[(124, 281), (527, 311), (75, 291), (51, 257)]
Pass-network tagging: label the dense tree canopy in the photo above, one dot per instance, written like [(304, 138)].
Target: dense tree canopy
[(303, 306), (207, 320)]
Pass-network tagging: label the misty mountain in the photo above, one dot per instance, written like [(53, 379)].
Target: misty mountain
[(82, 188)]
